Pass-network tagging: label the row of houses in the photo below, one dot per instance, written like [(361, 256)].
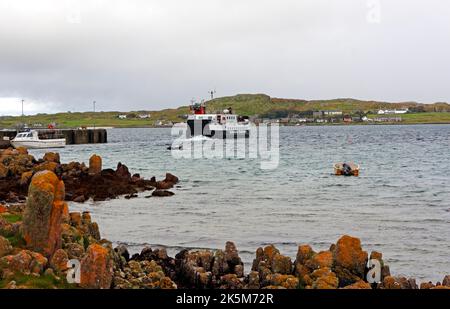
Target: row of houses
[(392, 111), (336, 113), (140, 116)]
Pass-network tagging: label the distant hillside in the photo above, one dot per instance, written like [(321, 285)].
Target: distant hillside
[(251, 104), (244, 104)]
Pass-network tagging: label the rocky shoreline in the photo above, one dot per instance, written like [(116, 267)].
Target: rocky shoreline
[(39, 236), (82, 182)]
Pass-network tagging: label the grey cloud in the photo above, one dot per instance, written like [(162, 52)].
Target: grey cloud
[(154, 54)]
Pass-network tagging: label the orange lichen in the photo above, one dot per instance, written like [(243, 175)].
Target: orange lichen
[(349, 254), (323, 259), (44, 212), (46, 166), (3, 209), (22, 150), (95, 164), (324, 279), (75, 219), (376, 255), (304, 253), (51, 157), (359, 285), (44, 179), (269, 253), (96, 268)]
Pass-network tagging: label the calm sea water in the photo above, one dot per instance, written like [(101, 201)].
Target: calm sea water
[(400, 204)]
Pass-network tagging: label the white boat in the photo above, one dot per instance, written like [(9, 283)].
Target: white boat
[(31, 140), (221, 125)]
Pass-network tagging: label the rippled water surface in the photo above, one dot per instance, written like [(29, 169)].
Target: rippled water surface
[(400, 204)]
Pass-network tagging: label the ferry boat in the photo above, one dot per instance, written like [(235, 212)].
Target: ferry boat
[(30, 139), (222, 125)]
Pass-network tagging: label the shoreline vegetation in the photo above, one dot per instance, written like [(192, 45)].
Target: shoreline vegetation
[(259, 107), (39, 235)]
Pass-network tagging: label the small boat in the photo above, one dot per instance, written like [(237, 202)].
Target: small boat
[(346, 169), (31, 140)]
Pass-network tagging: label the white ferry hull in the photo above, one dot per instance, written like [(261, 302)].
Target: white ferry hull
[(208, 129)]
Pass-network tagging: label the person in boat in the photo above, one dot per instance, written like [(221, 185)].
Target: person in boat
[(346, 170)]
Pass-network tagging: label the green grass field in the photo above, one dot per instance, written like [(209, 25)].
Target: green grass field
[(419, 118), (243, 104)]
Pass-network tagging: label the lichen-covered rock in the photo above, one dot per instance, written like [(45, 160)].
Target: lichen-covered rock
[(3, 171), (122, 251), (399, 283), (142, 274), (426, 285), (281, 264), (25, 178), (52, 157), (349, 260), (220, 265), (95, 164), (59, 261), (446, 281), (22, 150), (45, 166), (231, 252), (96, 268), (390, 283), (25, 262), (359, 285), (283, 280), (192, 268), (74, 250), (319, 260), (324, 278), (231, 282), (253, 280), (43, 213), (304, 253), (3, 209), (265, 255), (5, 246)]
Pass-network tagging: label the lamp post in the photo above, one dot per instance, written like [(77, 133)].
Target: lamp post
[(23, 116), (94, 114)]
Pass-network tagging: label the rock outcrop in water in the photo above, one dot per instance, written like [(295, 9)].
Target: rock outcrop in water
[(17, 168)]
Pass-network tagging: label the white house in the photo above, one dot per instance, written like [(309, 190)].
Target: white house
[(332, 113), (392, 111), (144, 116), (122, 116)]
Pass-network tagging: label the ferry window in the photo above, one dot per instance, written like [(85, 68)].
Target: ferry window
[(29, 135)]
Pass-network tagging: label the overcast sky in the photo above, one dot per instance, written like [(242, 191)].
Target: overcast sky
[(60, 55)]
